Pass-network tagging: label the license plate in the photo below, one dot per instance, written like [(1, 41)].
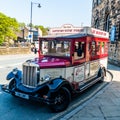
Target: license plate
[(22, 95)]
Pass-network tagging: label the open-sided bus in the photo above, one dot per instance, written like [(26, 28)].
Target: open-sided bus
[(66, 65)]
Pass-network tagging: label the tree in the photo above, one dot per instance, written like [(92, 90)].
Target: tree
[(8, 28), (22, 25), (44, 30)]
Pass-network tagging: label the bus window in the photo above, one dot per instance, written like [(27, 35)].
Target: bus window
[(79, 50), (98, 48), (55, 48), (93, 47), (106, 48), (102, 47)]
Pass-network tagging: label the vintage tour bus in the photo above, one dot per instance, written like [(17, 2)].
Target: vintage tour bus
[(66, 65)]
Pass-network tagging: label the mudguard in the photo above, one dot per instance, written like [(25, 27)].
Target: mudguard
[(57, 83), (100, 71), (12, 75)]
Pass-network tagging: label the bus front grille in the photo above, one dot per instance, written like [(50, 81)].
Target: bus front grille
[(29, 76)]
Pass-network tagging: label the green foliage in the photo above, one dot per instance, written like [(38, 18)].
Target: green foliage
[(22, 25), (44, 30), (30, 25), (1, 39), (8, 28)]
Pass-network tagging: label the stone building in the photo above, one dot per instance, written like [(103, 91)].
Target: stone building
[(25, 35), (22, 34), (106, 16)]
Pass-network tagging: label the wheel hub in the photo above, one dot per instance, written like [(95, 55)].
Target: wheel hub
[(58, 99)]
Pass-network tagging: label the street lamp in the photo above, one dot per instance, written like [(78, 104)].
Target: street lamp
[(31, 19)]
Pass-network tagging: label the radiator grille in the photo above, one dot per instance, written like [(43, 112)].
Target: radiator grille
[(29, 76)]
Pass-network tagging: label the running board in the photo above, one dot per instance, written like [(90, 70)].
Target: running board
[(89, 84)]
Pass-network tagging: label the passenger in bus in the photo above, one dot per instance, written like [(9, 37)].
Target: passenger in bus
[(79, 52)]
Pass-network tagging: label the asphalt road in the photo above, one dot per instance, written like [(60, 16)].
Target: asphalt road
[(13, 108), (9, 62)]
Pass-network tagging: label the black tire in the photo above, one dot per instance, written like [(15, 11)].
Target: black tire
[(12, 85), (62, 99)]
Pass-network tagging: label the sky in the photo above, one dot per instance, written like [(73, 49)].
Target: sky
[(53, 13)]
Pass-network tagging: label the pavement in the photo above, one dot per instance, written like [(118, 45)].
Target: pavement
[(13, 56), (105, 105)]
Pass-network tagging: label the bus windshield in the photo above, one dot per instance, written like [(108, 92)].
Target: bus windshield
[(55, 48)]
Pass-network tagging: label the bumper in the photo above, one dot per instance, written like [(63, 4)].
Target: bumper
[(23, 95), (5, 88)]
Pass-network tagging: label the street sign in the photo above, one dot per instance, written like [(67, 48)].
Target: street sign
[(30, 36), (112, 33)]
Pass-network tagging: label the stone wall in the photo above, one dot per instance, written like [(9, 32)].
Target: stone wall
[(14, 50), (106, 14), (114, 54)]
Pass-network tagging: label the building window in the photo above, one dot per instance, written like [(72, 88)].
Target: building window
[(107, 23), (97, 23), (93, 3), (98, 2), (119, 32)]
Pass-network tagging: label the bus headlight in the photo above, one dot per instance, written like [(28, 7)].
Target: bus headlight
[(47, 78), (15, 70)]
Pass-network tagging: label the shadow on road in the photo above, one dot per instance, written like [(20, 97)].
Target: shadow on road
[(113, 67)]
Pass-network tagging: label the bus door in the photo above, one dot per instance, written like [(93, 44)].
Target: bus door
[(79, 62), (92, 62), (93, 65)]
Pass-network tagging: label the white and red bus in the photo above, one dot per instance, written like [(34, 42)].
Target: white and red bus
[(66, 65)]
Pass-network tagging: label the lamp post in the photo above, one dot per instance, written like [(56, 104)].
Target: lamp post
[(31, 19)]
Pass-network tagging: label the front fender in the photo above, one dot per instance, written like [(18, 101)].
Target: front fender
[(12, 75), (57, 83), (100, 71)]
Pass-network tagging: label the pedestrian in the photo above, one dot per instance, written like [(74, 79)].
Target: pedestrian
[(35, 50)]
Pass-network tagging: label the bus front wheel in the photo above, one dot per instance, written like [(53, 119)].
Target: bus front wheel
[(62, 99)]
